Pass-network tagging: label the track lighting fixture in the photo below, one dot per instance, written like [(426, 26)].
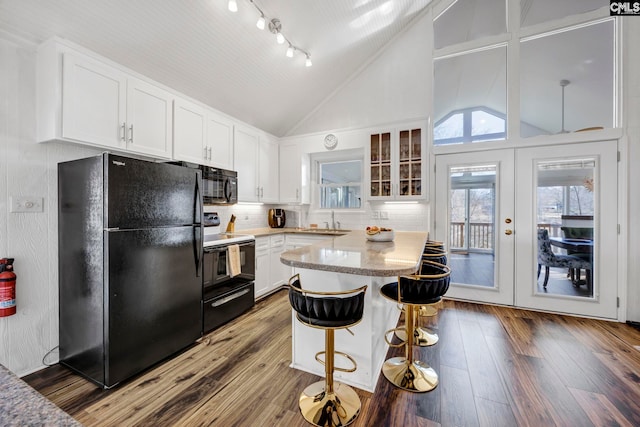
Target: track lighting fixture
[(275, 27)]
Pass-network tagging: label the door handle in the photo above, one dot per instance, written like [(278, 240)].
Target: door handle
[(131, 134), (508, 232), (124, 132)]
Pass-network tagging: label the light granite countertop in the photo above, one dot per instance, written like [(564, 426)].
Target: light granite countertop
[(352, 253), (21, 405)]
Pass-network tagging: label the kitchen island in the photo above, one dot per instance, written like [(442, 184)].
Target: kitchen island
[(348, 262)]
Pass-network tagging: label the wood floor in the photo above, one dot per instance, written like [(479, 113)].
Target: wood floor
[(497, 367)]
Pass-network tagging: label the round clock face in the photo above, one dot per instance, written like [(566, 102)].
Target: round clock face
[(330, 141)]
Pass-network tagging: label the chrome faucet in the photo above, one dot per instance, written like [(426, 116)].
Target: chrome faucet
[(333, 220)]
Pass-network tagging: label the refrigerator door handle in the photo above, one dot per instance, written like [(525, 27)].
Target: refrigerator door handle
[(197, 248), (197, 230)]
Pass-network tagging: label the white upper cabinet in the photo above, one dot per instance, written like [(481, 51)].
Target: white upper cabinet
[(397, 164), (268, 184), (201, 136), (189, 121), (294, 174), (85, 100), (245, 162), (149, 122), (255, 159), (219, 141), (93, 102)]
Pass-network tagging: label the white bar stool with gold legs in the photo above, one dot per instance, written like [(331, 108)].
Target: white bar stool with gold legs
[(414, 291), (328, 403)]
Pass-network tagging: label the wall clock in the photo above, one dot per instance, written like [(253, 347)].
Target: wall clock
[(330, 141)]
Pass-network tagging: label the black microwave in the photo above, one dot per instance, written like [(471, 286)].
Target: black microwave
[(219, 186)]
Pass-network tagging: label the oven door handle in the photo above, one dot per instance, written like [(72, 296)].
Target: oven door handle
[(231, 297)]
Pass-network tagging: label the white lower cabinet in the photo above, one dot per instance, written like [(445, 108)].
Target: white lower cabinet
[(270, 272)]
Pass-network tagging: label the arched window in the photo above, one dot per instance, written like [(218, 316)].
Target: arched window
[(470, 125)]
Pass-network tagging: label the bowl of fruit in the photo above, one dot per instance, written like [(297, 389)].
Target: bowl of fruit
[(379, 234)]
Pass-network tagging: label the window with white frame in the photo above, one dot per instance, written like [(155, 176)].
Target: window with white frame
[(562, 52), (339, 180)]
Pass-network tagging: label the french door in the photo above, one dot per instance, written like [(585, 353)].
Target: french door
[(499, 200), (474, 195)]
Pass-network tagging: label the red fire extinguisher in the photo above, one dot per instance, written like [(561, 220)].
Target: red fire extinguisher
[(7, 288)]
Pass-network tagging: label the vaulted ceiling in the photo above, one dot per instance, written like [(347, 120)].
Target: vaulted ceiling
[(221, 58)]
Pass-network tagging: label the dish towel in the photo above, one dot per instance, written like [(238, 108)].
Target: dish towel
[(233, 260)]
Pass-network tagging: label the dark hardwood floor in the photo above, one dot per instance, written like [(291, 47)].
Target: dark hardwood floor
[(497, 367)]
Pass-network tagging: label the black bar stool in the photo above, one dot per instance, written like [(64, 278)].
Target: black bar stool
[(326, 403), (414, 291), (424, 337)]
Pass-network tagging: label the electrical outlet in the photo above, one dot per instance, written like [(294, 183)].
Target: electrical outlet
[(375, 214), (26, 204), (384, 214)]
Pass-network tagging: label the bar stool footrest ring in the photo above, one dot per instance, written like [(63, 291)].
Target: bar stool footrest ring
[(391, 331), (335, 368)]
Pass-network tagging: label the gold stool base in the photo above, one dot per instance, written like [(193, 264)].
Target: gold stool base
[(421, 337), (339, 408), (416, 376)]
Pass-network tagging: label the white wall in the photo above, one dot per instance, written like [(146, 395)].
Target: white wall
[(631, 71), (28, 169), (394, 87)]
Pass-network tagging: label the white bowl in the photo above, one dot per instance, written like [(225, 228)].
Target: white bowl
[(383, 236)]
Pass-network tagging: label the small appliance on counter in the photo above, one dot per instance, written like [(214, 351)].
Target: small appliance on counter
[(277, 218)]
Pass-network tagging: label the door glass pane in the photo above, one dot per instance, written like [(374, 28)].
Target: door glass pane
[(472, 225), (468, 20), (537, 11), (565, 222), (468, 89), (566, 81)]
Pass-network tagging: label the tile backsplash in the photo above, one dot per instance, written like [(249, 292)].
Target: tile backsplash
[(407, 217)]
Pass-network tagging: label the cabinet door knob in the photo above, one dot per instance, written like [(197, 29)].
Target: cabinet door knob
[(508, 232)]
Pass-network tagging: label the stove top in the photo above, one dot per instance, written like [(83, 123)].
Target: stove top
[(220, 239)]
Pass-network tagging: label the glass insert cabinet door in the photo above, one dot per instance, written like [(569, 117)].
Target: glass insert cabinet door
[(380, 155), (396, 162)]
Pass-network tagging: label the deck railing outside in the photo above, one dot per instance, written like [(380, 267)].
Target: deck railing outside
[(481, 234)]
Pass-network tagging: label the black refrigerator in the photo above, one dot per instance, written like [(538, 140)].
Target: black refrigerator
[(130, 270)]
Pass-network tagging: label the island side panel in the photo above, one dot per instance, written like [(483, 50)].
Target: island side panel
[(367, 346)]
